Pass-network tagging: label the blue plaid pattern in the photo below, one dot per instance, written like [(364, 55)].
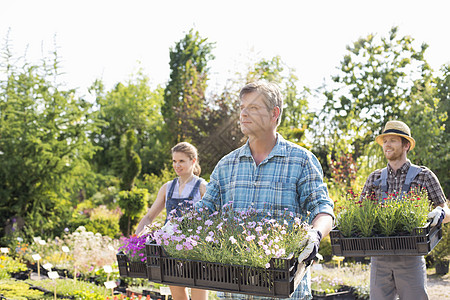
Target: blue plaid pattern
[(289, 179)]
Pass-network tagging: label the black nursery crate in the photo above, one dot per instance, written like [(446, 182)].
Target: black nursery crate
[(344, 293), (421, 242), (127, 268), (279, 280)]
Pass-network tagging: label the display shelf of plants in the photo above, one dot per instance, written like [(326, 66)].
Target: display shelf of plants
[(228, 251), (395, 226)]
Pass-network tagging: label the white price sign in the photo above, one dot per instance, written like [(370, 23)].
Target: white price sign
[(164, 290), (42, 242), (65, 249), (4, 250), (47, 266), (107, 269), (53, 275), (36, 257), (110, 284)]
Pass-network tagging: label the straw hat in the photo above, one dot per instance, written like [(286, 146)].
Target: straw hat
[(396, 128)]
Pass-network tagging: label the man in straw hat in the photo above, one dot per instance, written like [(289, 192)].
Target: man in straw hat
[(402, 275)]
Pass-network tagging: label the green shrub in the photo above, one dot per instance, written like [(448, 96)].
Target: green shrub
[(441, 251), (325, 248), (8, 265), (104, 221)]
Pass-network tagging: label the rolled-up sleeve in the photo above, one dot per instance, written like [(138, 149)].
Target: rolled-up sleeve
[(312, 190), (211, 198)]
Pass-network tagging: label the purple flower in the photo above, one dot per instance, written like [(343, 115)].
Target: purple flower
[(250, 238), (208, 223), (179, 247)]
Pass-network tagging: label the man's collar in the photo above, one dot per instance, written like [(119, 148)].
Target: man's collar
[(404, 168), (278, 150)]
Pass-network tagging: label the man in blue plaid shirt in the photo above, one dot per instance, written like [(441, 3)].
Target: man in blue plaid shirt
[(272, 175)]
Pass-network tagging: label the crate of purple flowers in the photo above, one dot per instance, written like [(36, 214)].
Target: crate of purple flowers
[(279, 280), (128, 268)]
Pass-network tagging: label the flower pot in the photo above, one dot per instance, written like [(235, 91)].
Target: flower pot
[(442, 267)]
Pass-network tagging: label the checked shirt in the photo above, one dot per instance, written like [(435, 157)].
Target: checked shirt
[(425, 179), (289, 179)]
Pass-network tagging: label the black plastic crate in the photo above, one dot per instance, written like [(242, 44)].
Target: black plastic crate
[(279, 280), (421, 242), (344, 293), (127, 268)]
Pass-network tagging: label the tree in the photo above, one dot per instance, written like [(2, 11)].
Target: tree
[(184, 96), (295, 118), (380, 79), (132, 162), (43, 144), (133, 204), (130, 106)]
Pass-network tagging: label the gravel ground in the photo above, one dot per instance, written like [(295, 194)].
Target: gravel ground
[(438, 285)]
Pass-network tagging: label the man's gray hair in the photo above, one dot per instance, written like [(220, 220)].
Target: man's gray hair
[(270, 91)]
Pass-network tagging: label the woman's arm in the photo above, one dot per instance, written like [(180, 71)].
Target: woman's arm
[(153, 211)]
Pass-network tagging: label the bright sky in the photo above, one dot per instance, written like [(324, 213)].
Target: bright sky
[(111, 39)]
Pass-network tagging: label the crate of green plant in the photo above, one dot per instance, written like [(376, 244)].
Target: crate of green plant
[(229, 251), (395, 226)]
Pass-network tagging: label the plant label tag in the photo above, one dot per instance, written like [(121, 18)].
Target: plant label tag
[(42, 242), (65, 249), (107, 269), (4, 250), (36, 257), (53, 275), (164, 290), (47, 266), (110, 284)]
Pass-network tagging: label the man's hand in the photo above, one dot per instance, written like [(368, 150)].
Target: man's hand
[(312, 247), (437, 215)]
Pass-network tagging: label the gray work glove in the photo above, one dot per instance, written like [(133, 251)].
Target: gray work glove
[(312, 247), (437, 215)]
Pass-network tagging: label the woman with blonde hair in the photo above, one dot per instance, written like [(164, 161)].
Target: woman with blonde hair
[(179, 193)]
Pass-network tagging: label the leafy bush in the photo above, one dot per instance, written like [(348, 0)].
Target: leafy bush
[(104, 221), (8, 265), (441, 251), (325, 248), (133, 204)]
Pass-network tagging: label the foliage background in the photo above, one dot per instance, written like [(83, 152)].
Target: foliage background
[(62, 156)]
